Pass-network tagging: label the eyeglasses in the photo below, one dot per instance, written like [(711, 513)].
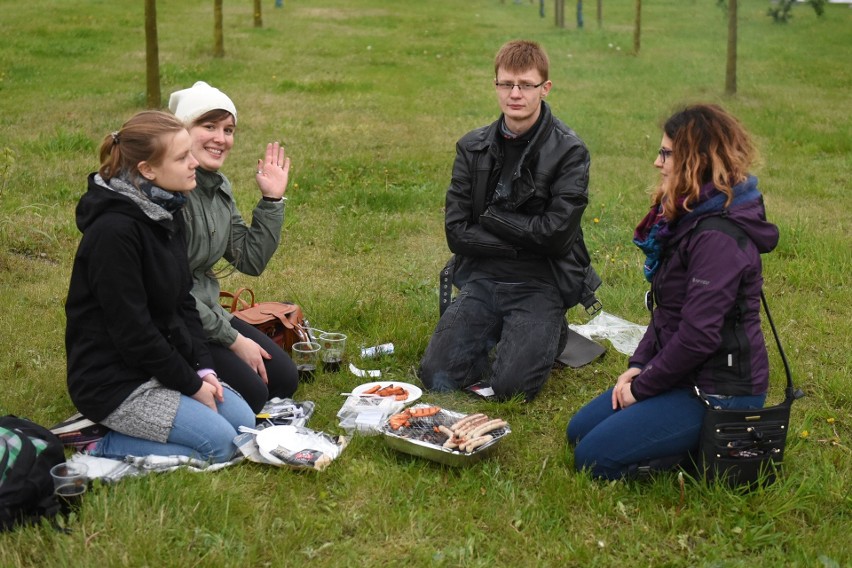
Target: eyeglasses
[(507, 86), (664, 153)]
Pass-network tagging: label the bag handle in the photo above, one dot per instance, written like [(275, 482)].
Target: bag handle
[(234, 302)]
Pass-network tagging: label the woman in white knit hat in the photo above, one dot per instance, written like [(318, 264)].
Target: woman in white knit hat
[(245, 358)]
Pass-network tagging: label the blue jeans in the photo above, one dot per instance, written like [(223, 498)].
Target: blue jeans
[(659, 432), (523, 320), (197, 432)]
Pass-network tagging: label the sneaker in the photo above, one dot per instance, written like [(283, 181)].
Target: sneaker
[(79, 432)]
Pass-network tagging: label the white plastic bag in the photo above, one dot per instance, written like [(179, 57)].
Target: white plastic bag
[(623, 335), (366, 415)]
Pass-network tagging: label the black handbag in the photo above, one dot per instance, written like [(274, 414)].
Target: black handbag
[(746, 447)]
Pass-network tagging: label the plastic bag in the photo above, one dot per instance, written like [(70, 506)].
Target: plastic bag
[(366, 415), (283, 411), (623, 335)]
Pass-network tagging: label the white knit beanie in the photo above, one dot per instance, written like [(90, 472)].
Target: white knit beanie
[(199, 99)]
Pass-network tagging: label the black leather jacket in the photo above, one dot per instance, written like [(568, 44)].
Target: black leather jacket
[(539, 218)]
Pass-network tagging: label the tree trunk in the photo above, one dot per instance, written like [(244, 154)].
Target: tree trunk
[(559, 13), (731, 67), (152, 56), (258, 16), (637, 28), (218, 35)]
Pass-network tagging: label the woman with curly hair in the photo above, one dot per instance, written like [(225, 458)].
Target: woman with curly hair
[(706, 278)]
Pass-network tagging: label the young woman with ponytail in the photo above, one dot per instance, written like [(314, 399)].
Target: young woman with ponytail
[(138, 362)]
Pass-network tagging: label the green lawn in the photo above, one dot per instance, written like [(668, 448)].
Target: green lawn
[(369, 97)]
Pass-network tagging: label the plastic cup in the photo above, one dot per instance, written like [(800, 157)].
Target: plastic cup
[(70, 482), (69, 474), (306, 357), (70, 496), (333, 348)]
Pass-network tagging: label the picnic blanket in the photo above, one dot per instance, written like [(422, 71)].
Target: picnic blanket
[(276, 411)]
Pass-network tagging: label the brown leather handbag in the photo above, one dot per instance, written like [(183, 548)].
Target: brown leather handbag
[(283, 322)]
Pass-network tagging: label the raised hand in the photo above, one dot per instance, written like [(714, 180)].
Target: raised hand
[(273, 171)]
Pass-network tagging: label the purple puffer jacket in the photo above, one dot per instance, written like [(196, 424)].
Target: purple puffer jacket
[(707, 310)]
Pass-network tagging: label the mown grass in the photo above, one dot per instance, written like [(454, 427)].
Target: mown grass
[(369, 97)]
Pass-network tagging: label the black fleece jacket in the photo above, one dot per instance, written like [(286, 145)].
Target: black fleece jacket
[(130, 315)]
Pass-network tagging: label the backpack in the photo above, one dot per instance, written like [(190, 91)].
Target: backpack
[(27, 452)]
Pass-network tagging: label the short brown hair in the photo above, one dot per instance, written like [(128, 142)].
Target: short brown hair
[(141, 139), (214, 115), (521, 55)]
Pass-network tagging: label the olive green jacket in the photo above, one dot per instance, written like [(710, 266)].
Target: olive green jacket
[(215, 230)]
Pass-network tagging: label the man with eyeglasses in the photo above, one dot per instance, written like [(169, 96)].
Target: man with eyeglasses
[(513, 210)]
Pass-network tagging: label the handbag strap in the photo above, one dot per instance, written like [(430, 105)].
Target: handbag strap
[(727, 226), (790, 392)]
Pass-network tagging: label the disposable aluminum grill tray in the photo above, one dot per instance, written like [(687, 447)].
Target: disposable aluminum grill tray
[(420, 439)]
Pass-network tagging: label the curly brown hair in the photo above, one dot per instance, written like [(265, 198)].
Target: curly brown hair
[(708, 145)]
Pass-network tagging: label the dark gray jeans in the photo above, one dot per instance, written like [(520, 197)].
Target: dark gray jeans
[(524, 321)]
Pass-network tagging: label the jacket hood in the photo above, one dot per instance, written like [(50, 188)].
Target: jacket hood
[(749, 215), (751, 218), (100, 198)]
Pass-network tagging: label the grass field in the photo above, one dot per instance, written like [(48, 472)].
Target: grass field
[(369, 97)]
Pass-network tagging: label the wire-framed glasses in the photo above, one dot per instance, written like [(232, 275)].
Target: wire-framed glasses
[(508, 86)]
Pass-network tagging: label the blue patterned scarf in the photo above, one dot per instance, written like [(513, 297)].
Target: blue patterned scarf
[(654, 230)]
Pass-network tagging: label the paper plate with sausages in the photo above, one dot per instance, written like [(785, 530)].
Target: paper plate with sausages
[(403, 392), (444, 436)]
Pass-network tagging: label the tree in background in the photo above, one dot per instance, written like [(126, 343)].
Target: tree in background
[(637, 27), (218, 35), (258, 17), (152, 56), (731, 61)]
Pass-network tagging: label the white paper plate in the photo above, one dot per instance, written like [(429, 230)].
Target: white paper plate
[(414, 392), (292, 438)]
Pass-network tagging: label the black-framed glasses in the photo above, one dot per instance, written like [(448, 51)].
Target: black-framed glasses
[(664, 153), (508, 86)]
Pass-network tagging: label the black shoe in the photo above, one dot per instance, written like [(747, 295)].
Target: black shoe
[(78, 432)]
